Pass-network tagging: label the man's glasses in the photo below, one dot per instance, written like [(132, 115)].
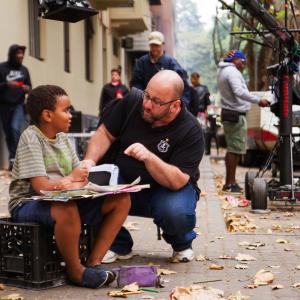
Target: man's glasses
[(156, 101)]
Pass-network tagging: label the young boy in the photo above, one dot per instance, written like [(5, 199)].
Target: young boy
[(45, 160)]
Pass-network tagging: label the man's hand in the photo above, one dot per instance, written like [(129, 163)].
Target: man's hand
[(87, 163), (263, 103), (138, 151), (26, 88), (13, 84)]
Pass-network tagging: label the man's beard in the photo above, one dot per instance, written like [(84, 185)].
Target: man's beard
[(150, 119)]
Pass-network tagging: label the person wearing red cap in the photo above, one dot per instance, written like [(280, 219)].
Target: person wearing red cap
[(15, 83), (235, 102)]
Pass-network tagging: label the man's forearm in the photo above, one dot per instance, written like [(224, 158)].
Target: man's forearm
[(165, 174), (99, 144)]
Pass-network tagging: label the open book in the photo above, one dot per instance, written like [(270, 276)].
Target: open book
[(92, 190)]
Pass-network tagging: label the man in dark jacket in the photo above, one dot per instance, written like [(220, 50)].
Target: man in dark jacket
[(200, 99), (14, 84), (155, 61), (112, 90)]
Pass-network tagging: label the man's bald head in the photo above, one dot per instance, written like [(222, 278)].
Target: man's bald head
[(168, 80)]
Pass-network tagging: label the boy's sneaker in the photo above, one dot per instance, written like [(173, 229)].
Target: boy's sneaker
[(111, 257), (183, 256), (232, 189)]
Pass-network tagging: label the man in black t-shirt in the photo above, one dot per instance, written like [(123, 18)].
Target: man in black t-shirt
[(163, 143)]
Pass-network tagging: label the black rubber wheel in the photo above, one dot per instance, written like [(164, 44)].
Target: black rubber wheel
[(260, 194), (249, 178)]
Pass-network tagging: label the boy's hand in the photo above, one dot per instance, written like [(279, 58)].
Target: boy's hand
[(64, 184), (79, 174)]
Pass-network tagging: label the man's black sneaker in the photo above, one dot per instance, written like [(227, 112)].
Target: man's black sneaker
[(232, 189)]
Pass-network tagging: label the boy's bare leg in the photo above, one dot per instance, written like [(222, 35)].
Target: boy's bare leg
[(67, 232), (115, 209)]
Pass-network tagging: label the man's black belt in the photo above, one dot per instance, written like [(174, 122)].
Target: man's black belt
[(242, 113)]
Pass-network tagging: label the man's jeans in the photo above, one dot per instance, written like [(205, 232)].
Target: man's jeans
[(13, 119), (173, 211)]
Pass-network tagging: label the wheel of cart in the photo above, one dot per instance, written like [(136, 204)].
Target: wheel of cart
[(249, 178), (260, 194)]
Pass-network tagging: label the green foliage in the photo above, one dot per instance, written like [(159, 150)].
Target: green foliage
[(194, 43)]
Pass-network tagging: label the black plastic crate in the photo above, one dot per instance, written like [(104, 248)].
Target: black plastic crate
[(29, 257)]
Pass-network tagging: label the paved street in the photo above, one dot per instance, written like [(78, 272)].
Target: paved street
[(212, 242)]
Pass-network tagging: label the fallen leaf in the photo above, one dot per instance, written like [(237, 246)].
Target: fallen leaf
[(269, 231), (251, 248), (251, 286), (173, 260), (297, 267), (132, 226), (288, 214), (296, 285), (288, 249), (201, 258), (216, 267), (165, 271), (220, 237), (263, 277), (196, 292), (244, 257), (242, 267), (281, 241), (276, 227), (12, 297), (203, 194), (238, 296), (133, 287), (277, 287)]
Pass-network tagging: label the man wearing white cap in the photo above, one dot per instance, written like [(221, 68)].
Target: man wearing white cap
[(155, 61)]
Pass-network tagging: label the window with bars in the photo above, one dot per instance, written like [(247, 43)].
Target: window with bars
[(67, 47), (88, 42), (34, 29)]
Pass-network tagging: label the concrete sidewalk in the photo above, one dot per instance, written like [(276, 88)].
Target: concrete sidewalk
[(213, 241)]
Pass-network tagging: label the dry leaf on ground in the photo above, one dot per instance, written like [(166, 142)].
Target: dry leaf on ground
[(216, 267), (282, 241), (251, 286), (296, 285), (12, 297), (288, 214), (242, 267), (274, 266), (196, 292), (297, 267), (225, 257), (165, 272), (277, 287), (244, 257), (132, 226), (201, 258), (238, 296), (130, 289), (263, 277)]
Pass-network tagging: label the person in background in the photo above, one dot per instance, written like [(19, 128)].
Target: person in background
[(200, 99), (235, 102), (15, 83), (155, 61), (112, 90)]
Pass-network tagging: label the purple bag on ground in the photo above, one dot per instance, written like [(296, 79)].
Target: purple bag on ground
[(142, 275)]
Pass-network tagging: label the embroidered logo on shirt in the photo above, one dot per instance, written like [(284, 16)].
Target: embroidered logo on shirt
[(163, 146)]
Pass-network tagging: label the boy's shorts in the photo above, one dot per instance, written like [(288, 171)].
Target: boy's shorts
[(236, 135), (39, 212)]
